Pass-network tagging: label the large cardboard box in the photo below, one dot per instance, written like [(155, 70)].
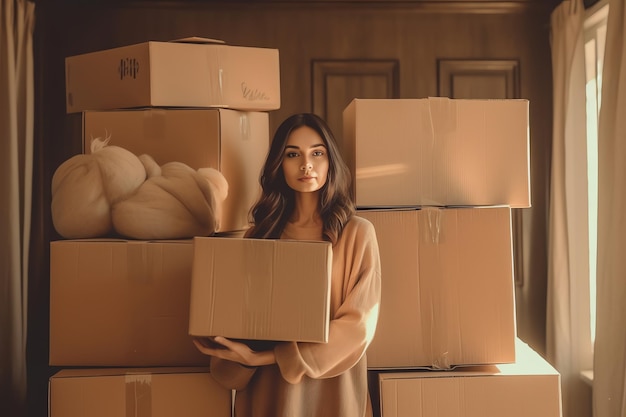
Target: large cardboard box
[(447, 288), (121, 303), (261, 289), (233, 142), (147, 392), (531, 387), (190, 72), (438, 151)]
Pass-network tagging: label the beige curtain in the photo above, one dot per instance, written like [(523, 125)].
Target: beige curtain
[(609, 385), (16, 150), (568, 233)]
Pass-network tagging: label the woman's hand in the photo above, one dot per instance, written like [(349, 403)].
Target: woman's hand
[(224, 348)]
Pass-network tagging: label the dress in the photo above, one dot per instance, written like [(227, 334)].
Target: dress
[(320, 379)]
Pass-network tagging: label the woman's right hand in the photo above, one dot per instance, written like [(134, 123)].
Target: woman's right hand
[(231, 350)]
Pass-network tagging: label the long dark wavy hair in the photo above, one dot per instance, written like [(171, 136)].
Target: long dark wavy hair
[(276, 204)]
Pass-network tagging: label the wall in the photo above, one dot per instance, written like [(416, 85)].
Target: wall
[(404, 41)]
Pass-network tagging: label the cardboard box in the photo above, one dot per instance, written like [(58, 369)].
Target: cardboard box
[(447, 288), (158, 392), (531, 387), (261, 289), (191, 72), (438, 152), (233, 142), (121, 303)]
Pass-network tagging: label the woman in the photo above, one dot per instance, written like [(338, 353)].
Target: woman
[(305, 195)]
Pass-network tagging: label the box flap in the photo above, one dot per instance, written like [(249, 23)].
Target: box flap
[(122, 240), (197, 39), (115, 371)]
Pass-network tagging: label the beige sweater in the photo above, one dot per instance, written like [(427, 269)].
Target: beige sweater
[(320, 379)]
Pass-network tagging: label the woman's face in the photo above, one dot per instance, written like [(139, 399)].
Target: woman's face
[(305, 160)]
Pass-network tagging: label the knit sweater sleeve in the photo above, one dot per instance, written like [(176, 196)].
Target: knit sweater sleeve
[(230, 375), (356, 286)]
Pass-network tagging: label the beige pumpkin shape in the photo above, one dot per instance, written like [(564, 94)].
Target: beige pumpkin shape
[(174, 202), (85, 186)]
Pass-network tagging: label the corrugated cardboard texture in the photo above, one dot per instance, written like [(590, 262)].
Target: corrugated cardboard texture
[(529, 387), (447, 288), (137, 393), (174, 74), (261, 289), (438, 151), (121, 303), (233, 142)]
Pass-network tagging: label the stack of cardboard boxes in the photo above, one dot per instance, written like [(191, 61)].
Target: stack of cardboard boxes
[(438, 178), (119, 309)]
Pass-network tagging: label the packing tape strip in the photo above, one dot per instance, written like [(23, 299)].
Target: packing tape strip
[(155, 123), (143, 267), (215, 78), (433, 221), (256, 317), (244, 127), (138, 395)]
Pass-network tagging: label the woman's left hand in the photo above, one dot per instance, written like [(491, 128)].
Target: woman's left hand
[(231, 350)]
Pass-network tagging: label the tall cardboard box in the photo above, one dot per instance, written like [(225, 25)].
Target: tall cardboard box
[(149, 392), (261, 289), (531, 387), (121, 303), (447, 288), (438, 152), (192, 72), (233, 142)]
